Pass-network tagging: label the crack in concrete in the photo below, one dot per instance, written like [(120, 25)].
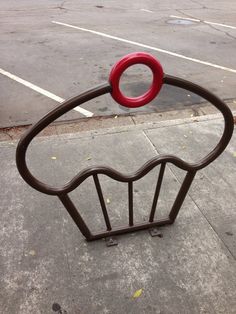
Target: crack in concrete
[(198, 3), (221, 31), (61, 6), (186, 14)]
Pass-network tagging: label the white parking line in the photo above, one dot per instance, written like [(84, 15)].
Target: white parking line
[(185, 18), (43, 91), (147, 46), (145, 10), (206, 22)]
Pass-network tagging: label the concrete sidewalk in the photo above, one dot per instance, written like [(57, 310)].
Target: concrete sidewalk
[(48, 267)]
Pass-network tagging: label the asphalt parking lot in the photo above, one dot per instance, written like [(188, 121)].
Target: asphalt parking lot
[(52, 50)]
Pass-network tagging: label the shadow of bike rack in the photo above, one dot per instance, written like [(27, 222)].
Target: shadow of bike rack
[(112, 87)]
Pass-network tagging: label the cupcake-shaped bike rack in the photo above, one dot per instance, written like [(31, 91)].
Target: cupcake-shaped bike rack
[(112, 87)]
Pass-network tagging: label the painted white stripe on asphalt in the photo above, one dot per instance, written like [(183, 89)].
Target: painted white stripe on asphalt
[(148, 47), (219, 24), (43, 91), (185, 18), (145, 10), (206, 22)]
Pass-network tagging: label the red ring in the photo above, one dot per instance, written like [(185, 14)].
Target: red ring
[(118, 69)]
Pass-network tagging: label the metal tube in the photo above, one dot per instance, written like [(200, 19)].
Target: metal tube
[(181, 195), (70, 207), (157, 192), (137, 227), (101, 199), (62, 191), (131, 214), (103, 89)]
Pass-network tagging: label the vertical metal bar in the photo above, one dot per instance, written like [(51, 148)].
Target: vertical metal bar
[(70, 207), (181, 195), (157, 192), (101, 199), (131, 213)]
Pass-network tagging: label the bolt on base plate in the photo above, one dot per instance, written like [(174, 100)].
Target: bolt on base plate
[(155, 233), (111, 241)]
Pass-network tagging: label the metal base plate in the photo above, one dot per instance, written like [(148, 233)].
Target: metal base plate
[(155, 233), (111, 241)]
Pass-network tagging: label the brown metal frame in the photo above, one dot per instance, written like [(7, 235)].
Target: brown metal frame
[(94, 171)]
